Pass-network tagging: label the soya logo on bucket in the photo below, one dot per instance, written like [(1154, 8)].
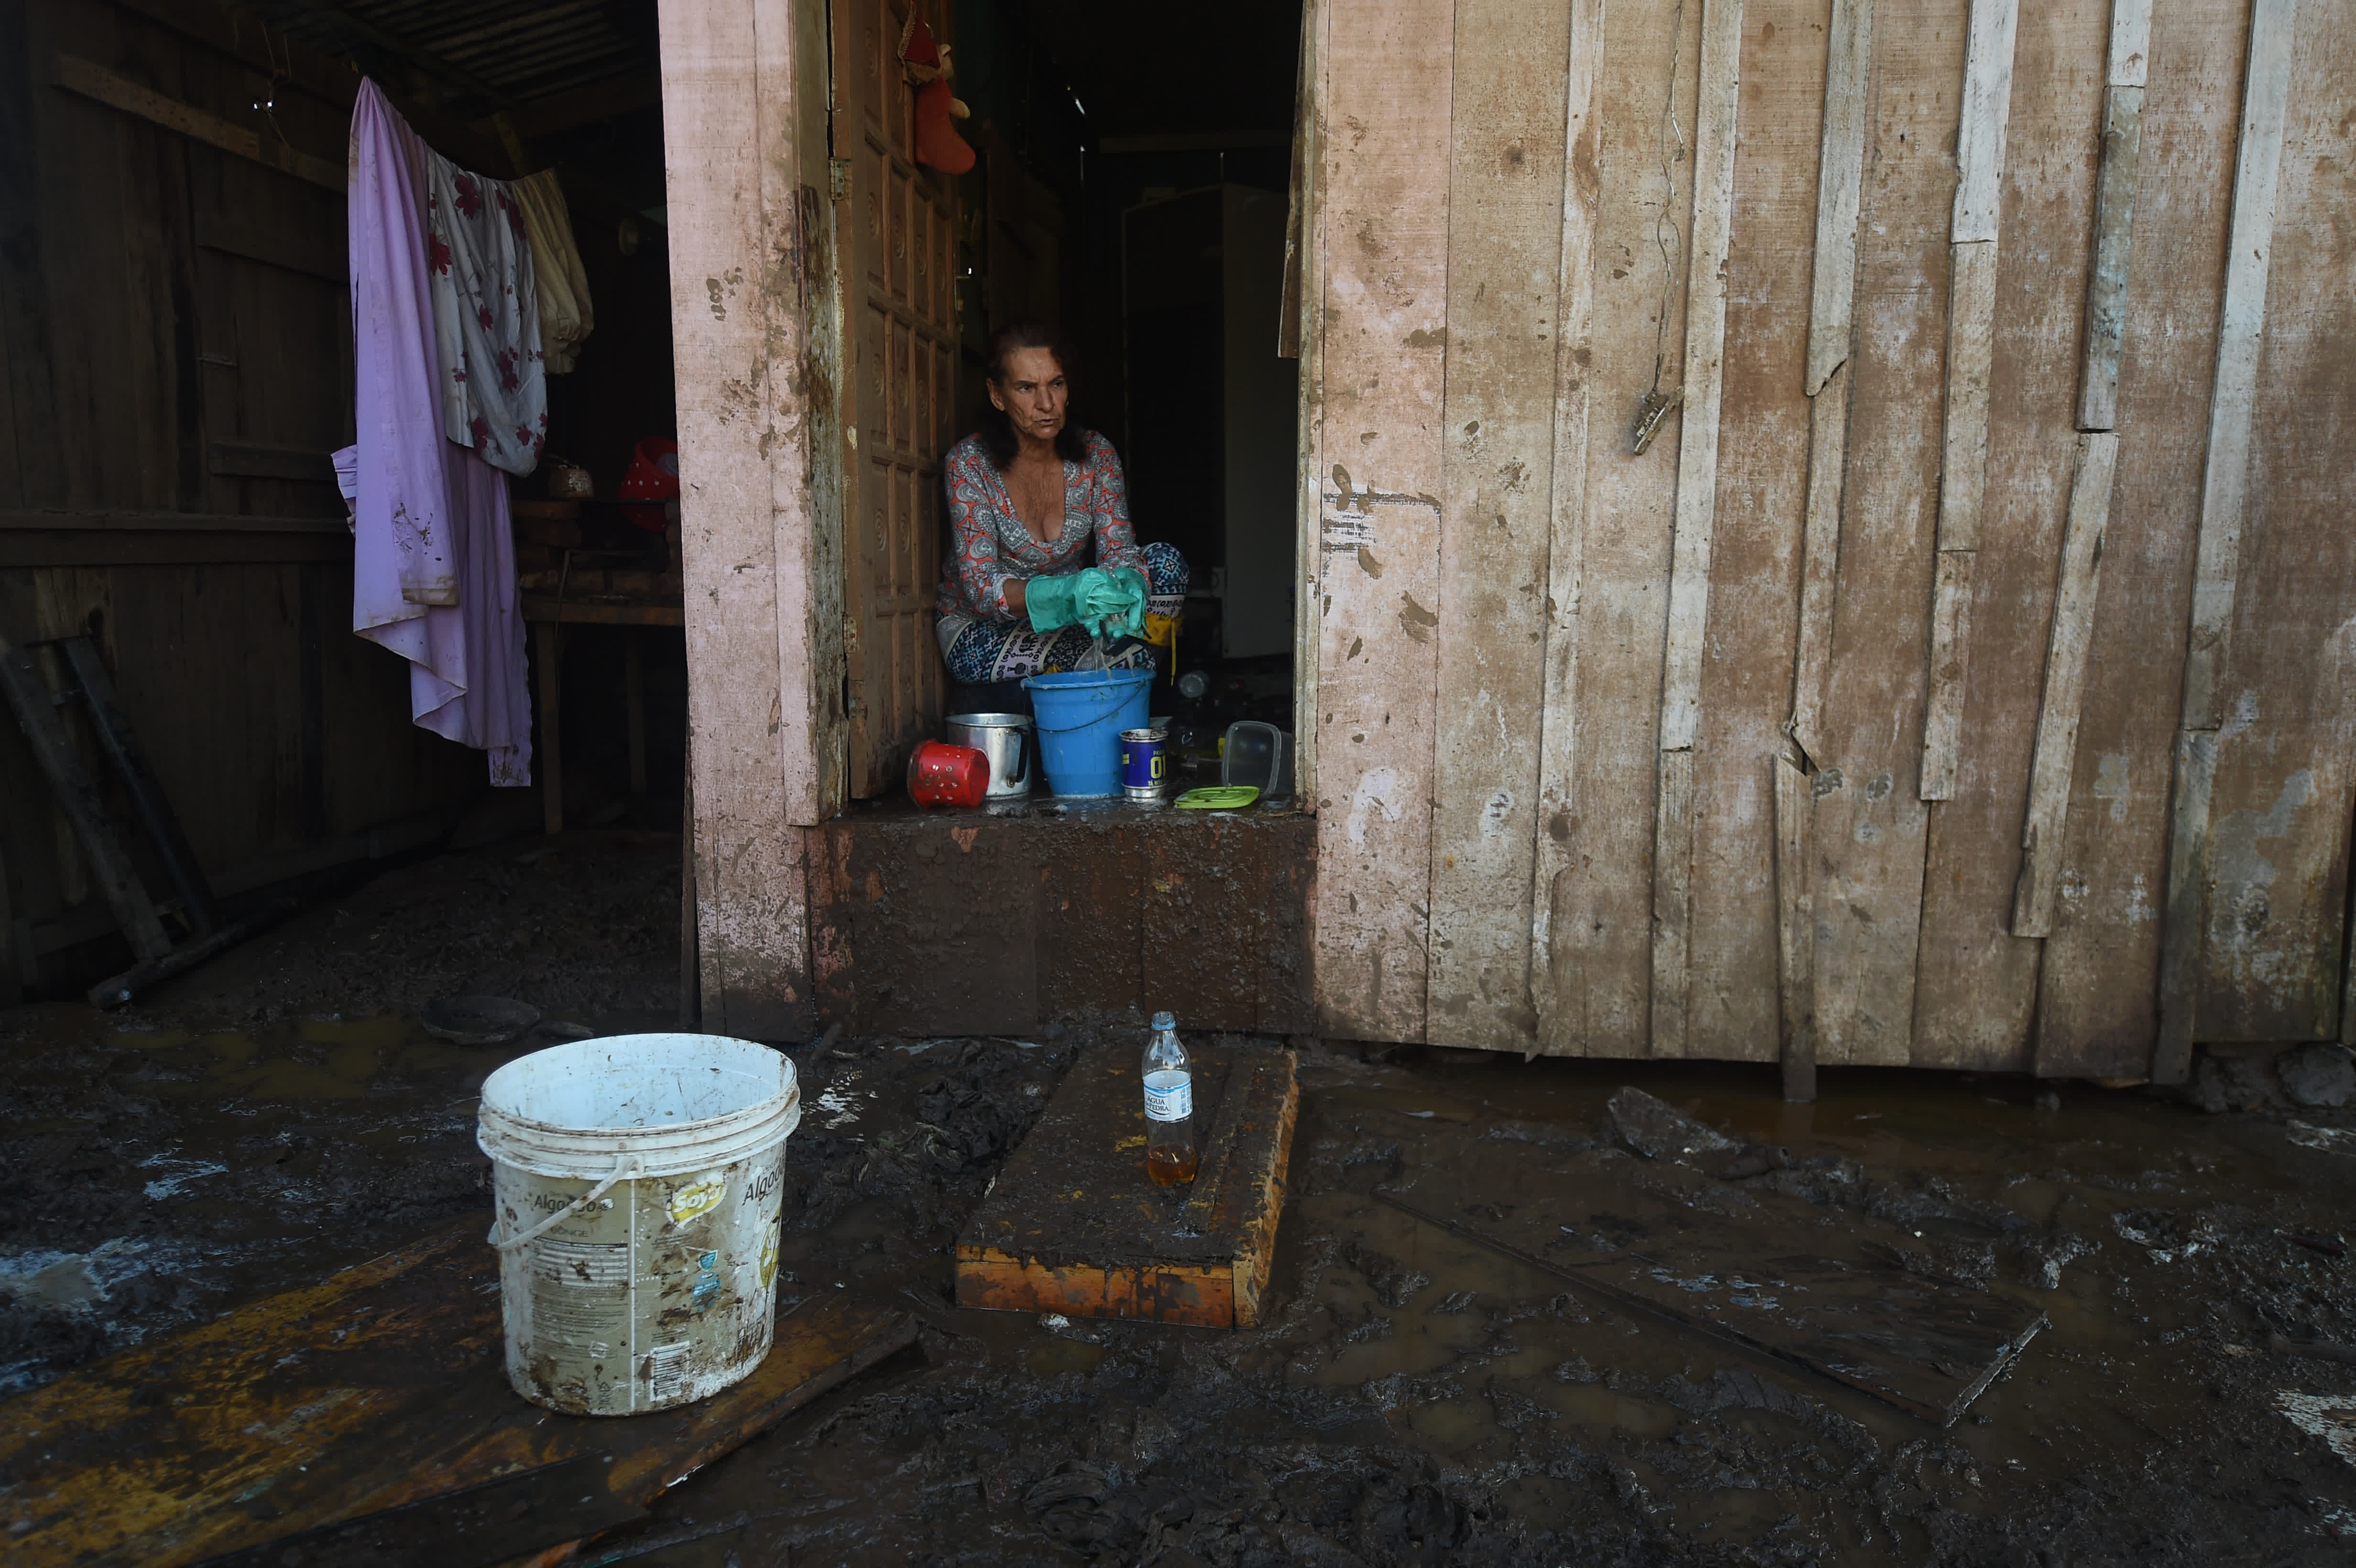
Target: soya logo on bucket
[(697, 1198), (770, 1254)]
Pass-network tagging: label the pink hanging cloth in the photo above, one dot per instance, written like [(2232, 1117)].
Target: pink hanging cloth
[(433, 576)]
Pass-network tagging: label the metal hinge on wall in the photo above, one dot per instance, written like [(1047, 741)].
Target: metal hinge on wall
[(837, 172)]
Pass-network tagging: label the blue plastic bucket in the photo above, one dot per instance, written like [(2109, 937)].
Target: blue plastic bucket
[(1080, 714)]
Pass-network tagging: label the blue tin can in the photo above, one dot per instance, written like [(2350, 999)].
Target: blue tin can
[(1144, 762)]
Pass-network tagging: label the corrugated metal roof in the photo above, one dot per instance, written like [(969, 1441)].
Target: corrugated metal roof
[(483, 55)]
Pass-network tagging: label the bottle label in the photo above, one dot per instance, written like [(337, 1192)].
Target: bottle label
[(1169, 1097)]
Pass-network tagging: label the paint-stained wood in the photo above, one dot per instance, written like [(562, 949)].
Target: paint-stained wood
[(1986, 114), (2054, 765), (1074, 1224), (1505, 187), (737, 115), (1381, 465), (1672, 847), (2107, 280), (1309, 425), (1755, 567), (1840, 175), (2098, 975), (2224, 493), (1557, 997), (1602, 897), (1819, 558), (1795, 934), (1962, 494), (1975, 982), (1869, 828), (2284, 792), (382, 1387)]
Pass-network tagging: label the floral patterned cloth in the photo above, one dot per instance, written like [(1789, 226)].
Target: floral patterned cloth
[(988, 546), (986, 651), (486, 316)]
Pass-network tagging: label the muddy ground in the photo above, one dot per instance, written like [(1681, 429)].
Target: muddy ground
[(1410, 1398)]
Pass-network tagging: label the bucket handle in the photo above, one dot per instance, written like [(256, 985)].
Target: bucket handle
[(625, 1167)]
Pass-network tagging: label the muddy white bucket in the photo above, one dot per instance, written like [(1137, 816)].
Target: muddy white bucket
[(636, 1181)]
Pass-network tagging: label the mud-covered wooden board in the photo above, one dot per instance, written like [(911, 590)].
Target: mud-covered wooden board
[(1075, 1225), (383, 1388), (1828, 1290)]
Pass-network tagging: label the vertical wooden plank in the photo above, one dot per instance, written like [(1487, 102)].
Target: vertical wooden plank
[(2065, 685), (1302, 263), (2097, 981), (1506, 193), (2286, 682), (1963, 489), (1971, 326), (1840, 174), (1383, 252), (1870, 829), (1602, 909), (735, 111), (1755, 567), (1558, 996), (1976, 981), (2225, 491), (2125, 72), (1795, 937)]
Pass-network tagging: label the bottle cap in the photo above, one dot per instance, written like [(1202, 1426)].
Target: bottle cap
[(1163, 1020)]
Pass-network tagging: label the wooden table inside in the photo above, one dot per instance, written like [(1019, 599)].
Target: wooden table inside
[(548, 615)]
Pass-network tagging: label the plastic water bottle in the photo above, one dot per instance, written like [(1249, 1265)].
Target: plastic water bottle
[(1169, 1106)]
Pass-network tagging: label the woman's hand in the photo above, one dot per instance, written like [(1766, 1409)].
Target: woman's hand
[(1017, 595)]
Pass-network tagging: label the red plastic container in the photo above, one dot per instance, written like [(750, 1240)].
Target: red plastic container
[(943, 774)]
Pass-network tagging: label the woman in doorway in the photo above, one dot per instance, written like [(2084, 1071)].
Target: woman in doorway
[(1031, 496)]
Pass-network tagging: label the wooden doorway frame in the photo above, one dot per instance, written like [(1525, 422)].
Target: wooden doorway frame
[(757, 314)]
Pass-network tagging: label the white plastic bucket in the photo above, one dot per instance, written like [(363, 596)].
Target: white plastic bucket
[(636, 1181)]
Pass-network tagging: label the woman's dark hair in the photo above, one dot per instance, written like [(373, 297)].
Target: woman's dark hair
[(997, 429)]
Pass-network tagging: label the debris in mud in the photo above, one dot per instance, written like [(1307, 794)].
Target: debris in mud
[(1656, 1131), (2320, 1077)]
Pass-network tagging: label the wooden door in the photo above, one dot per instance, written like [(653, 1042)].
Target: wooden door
[(895, 234)]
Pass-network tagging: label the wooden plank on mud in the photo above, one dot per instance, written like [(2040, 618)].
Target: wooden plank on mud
[(1870, 827), (1074, 1224), (1558, 997), (1755, 552), (2055, 760), (2223, 498), (2098, 975), (2283, 795), (1693, 530), (1976, 981), (384, 1386), (1504, 254), (1382, 255), (1744, 1268)]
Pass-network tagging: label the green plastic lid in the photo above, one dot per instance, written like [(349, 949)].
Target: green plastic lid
[(1218, 797)]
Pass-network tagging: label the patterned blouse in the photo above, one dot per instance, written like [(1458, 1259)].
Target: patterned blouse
[(988, 546)]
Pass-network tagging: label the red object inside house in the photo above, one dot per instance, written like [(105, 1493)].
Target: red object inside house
[(943, 774), (653, 475)]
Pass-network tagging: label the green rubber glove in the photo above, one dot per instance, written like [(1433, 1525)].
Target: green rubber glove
[(1052, 603), (1113, 602)]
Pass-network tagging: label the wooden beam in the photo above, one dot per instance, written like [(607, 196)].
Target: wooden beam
[(1717, 104), (1840, 178), (1505, 191), (2217, 555), (77, 75), (2055, 760), (1796, 935), (1557, 1004), (1987, 108), (2124, 76)]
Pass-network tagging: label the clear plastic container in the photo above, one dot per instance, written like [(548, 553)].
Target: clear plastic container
[(1261, 755)]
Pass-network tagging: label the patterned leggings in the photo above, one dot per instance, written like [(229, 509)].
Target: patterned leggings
[(992, 651)]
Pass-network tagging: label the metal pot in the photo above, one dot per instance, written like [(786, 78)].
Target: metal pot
[(1007, 740)]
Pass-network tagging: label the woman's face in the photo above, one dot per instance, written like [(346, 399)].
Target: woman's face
[(1033, 395)]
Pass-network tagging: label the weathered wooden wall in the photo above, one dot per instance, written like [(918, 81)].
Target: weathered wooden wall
[(1995, 327), (175, 366)]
